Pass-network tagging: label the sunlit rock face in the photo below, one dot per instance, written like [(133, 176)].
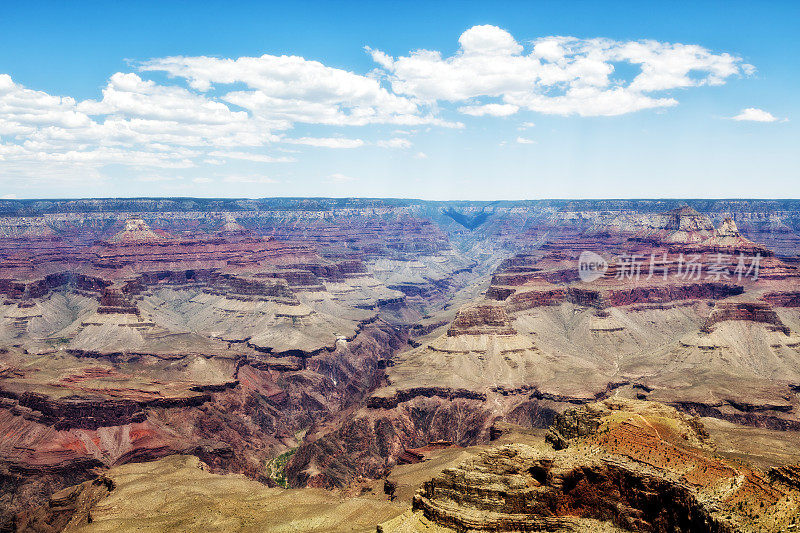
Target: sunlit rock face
[(355, 330), (140, 338), (616, 466), (540, 340)]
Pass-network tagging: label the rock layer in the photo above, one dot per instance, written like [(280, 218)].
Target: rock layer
[(636, 465)]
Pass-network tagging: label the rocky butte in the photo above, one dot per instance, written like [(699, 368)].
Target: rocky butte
[(399, 364)]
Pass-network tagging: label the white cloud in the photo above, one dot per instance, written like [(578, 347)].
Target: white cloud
[(488, 40), (202, 180), (24, 110), (523, 140), (9, 197), (558, 75), (420, 155), (396, 142), (526, 125), (753, 114), (139, 123), (295, 89), (381, 58), (220, 109), (129, 95), (495, 110), (326, 142)]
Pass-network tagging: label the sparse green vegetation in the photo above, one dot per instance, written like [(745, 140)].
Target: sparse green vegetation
[(276, 468), (56, 342)]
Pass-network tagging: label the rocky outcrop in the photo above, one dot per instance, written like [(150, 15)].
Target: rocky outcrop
[(671, 293), (636, 466), (727, 239), (760, 312), (68, 508), (530, 299), (610, 296), (788, 475), (179, 493), (136, 230), (51, 442), (481, 319), (514, 488), (783, 299)]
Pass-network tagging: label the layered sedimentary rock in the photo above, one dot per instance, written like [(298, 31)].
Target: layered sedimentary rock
[(357, 330), (692, 336), (759, 312), (481, 319), (727, 239), (619, 466), (227, 345), (635, 466)]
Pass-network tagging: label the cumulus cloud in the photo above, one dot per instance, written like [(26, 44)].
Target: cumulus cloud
[(558, 75), (524, 140), (381, 58), (753, 114), (24, 110), (214, 110), (140, 122), (488, 40), (495, 110), (136, 123), (130, 95), (295, 89)]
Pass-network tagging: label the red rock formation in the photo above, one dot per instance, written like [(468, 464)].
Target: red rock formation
[(308, 255), (48, 443), (760, 312), (783, 299), (481, 319), (639, 466)]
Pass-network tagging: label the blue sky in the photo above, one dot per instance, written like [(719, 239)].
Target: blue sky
[(513, 100)]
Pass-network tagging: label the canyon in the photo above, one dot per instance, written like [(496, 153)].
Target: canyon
[(400, 361)]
